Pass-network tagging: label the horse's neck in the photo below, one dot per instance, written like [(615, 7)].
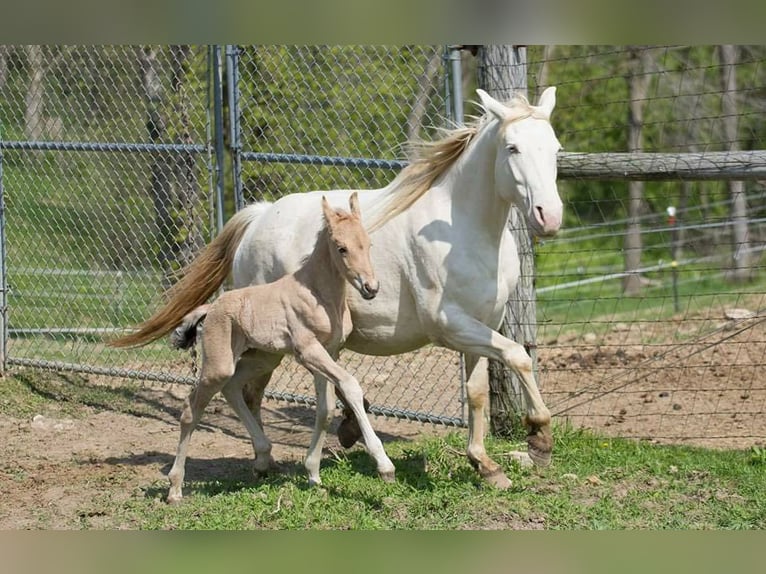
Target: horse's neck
[(320, 274), (468, 187)]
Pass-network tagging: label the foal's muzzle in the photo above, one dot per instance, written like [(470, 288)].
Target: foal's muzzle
[(368, 289)]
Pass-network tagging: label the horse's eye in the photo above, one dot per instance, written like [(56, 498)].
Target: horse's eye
[(342, 250), (512, 148)]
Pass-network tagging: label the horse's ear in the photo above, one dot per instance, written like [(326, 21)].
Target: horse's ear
[(492, 105), (547, 101), (353, 203), (329, 213)]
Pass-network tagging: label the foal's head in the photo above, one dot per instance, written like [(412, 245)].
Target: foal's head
[(350, 246)]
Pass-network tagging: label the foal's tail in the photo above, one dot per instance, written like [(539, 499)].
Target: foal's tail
[(185, 335), (201, 278)]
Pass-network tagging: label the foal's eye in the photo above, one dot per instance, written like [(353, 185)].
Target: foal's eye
[(342, 250), (512, 148)]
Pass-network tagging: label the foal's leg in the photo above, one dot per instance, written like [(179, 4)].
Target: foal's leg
[(261, 445), (317, 360), (214, 374), (325, 409), (253, 372), (473, 337)]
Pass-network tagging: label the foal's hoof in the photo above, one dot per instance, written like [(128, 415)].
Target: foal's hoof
[(349, 432), (539, 447), (388, 476), (496, 478), (174, 500)]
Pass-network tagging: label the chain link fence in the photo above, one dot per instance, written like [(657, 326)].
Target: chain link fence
[(112, 168), (317, 117), (118, 163), (652, 299)]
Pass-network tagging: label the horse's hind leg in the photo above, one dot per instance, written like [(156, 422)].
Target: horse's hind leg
[(257, 369)]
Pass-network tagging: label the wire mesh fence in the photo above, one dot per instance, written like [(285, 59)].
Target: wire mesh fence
[(112, 161), (651, 299)]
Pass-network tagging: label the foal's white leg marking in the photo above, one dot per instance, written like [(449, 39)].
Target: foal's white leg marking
[(317, 360), (325, 409)]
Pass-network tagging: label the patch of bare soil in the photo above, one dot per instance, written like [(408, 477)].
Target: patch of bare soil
[(699, 381), (64, 472)]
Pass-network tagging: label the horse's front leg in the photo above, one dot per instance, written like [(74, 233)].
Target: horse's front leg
[(477, 391), (473, 337)]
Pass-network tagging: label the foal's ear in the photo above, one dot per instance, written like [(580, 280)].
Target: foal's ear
[(494, 107), (329, 213), (353, 203)]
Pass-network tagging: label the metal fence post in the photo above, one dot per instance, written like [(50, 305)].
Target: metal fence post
[(3, 283), (235, 133), (456, 75), (218, 126)]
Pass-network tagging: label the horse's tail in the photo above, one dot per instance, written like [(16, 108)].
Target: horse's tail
[(200, 279), (185, 335)]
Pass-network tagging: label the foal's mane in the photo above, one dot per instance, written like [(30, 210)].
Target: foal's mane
[(431, 159)]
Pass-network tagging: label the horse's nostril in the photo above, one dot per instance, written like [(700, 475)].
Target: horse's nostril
[(540, 214)]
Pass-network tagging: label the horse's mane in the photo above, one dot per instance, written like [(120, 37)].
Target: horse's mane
[(431, 159)]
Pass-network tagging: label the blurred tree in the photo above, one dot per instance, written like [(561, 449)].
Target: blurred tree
[(176, 194)]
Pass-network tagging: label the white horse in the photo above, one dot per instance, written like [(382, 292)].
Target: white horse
[(442, 251)]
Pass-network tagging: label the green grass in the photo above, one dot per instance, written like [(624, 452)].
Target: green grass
[(594, 483)]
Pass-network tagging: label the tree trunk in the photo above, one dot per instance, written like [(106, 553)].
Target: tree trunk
[(740, 271), (638, 82), (34, 123), (501, 71), (426, 84), (188, 192), (174, 187), (4, 51)]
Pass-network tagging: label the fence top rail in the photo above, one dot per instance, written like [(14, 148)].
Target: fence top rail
[(720, 165), (101, 146)]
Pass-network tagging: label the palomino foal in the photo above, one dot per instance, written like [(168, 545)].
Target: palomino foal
[(303, 314)]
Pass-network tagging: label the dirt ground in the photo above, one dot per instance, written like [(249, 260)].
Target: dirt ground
[(701, 382), (59, 471)]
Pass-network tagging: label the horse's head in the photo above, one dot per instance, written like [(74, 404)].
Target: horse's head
[(525, 163), (350, 246)]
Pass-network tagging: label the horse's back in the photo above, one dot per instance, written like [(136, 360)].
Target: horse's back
[(278, 240)]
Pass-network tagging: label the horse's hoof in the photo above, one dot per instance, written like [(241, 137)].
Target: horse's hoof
[(522, 458), (349, 432), (539, 447), (497, 478), (388, 476)]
